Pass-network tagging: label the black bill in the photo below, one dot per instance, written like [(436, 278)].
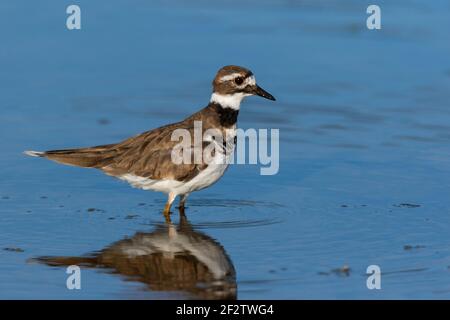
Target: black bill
[(263, 93)]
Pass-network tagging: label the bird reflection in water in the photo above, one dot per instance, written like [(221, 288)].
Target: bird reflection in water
[(171, 258)]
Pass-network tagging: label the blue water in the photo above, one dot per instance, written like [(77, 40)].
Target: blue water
[(364, 145)]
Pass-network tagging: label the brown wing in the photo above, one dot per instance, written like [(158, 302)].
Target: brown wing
[(150, 155)]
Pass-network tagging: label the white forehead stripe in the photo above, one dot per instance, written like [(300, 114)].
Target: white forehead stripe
[(250, 81)]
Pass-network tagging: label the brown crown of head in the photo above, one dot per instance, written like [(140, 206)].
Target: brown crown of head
[(225, 80), (234, 79)]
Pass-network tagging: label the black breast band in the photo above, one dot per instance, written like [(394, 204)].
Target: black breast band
[(227, 116)]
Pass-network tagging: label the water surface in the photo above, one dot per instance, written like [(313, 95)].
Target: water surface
[(364, 140)]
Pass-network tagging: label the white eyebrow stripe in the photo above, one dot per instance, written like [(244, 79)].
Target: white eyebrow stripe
[(248, 81), (229, 77)]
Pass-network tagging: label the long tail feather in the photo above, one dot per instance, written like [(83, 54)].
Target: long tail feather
[(93, 157), (34, 153)]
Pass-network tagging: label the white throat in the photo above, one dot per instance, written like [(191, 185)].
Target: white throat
[(232, 101)]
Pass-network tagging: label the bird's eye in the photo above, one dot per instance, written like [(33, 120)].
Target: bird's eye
[(239, 80)]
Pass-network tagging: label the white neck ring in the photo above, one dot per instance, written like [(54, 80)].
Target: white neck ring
[(232, 101)]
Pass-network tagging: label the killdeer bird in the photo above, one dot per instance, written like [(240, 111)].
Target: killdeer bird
[(145, 161)]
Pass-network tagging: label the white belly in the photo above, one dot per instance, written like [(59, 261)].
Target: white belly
[(205, 178)]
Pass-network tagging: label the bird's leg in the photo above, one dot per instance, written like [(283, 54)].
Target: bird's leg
[(184, 223), (166, 212), (181, 207)]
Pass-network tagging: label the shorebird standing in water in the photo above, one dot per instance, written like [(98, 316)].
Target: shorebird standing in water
[(145, 161)]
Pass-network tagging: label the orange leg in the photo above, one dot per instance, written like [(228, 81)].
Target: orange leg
[(169, 202)]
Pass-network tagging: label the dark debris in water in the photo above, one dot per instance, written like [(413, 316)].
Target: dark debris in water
[(407, 205), (95, 210), (354, 206), (13, 249), (131, 216), (282, 269), (408, 247), (103, 121), (343, 271)]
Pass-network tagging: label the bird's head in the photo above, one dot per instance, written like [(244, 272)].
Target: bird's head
[(232, 84)]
